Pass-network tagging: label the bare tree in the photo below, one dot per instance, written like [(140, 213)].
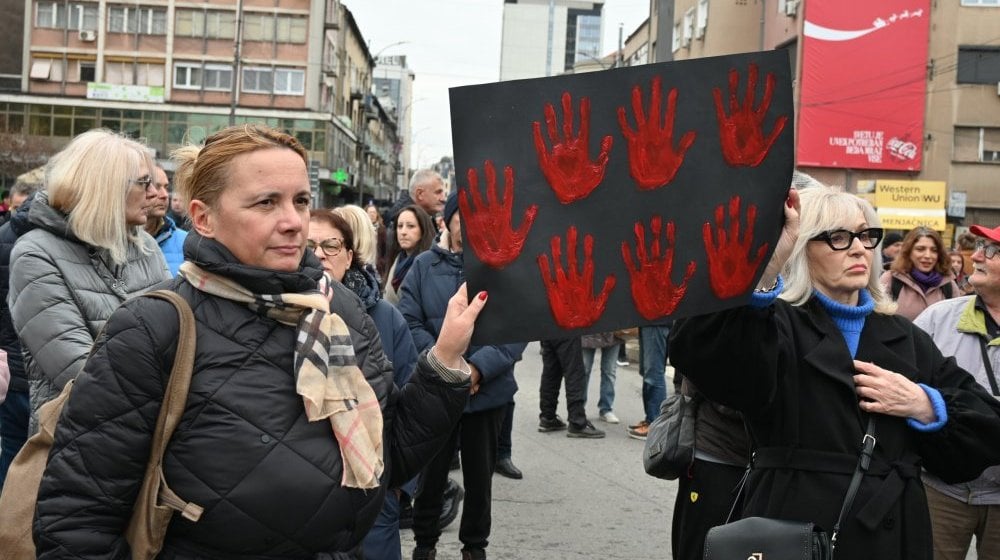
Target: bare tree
[(20, 153)]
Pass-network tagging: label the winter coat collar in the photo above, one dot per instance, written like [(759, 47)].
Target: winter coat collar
[(19, 221), (43, 216), (214, 257), (972, 321)]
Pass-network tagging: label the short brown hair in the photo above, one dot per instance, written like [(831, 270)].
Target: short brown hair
[(902, 263), (335, 220), (203, 172)]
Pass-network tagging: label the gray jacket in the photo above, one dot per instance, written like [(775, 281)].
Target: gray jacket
[(956, 327), (61, 293)]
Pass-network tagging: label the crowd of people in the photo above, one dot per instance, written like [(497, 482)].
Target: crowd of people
[(335, 389)]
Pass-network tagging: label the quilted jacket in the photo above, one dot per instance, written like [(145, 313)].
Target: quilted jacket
[(269, 480), (61, 293), (17, 226)]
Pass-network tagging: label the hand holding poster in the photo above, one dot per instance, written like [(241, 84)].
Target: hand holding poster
[(599, 201)]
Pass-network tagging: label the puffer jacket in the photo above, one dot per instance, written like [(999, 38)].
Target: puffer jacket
[(269, 480), (61, 293), (17, 226), (170, 238), (435, 276), (957, 326), (912, 298)]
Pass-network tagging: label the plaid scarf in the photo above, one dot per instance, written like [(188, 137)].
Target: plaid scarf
[(326, 373)]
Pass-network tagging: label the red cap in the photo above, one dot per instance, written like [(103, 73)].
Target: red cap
[(991, 234)]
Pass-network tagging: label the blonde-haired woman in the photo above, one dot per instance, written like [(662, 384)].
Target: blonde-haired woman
[(293, 428), (365, 244), (813, 360), (87, 254)]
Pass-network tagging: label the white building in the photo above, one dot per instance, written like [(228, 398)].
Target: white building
[(393, 82), (547, 37)]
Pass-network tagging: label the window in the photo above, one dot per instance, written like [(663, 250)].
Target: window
[(258, 80), (677, 37), (54, 15), (978, 65), (149, 21), (289, 82), (88, 71), (290, 29), (987, 3), (977, 144), (40, 69), (133, 73), (209, 76), (212, 24), (282, 81), (688, 30), (258, 27), (702, 19)]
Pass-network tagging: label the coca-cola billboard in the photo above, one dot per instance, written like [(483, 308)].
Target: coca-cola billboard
[(863, 84)]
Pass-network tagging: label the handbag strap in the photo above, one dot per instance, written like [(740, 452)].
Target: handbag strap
[(989, 368), (864, 461), (175, 398)]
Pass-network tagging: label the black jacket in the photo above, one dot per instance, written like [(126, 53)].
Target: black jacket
[(9, 232), (268, 479), (789, 371)]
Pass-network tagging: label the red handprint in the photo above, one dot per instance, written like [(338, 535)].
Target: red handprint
[(570, 293), (741, 133), (653, 162), (488, 224), (568, 168), (653, 292), (730, 269)]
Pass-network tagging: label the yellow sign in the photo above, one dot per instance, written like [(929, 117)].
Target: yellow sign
[(910, 194), (907, 218)]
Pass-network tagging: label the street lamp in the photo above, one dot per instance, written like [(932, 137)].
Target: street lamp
[(385, 48)]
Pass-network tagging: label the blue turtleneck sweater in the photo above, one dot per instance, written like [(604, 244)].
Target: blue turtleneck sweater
[(850, 319)]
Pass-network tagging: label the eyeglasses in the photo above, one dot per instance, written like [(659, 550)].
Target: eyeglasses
[(331, 246), (145, 181), (841, 239), (989, 250)]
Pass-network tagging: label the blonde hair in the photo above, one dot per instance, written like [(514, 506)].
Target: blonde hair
[(203, 172), (89, 181), (365, 244), (824, 209)]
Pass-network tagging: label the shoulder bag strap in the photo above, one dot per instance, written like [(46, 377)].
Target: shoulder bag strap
[(864, 460), (989, 368), (175, 399)]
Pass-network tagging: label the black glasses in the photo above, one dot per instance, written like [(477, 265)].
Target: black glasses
[(841, 239), (989, 250), (331, 246)]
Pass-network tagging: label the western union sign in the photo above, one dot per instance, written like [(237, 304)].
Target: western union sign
[(908, 204)]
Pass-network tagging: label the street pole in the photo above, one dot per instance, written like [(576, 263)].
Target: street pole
[(620, 59), (237, 44)]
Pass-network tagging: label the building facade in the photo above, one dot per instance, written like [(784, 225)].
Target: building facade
[(548, 37), (960, 140), (394, 89), (170, 72)]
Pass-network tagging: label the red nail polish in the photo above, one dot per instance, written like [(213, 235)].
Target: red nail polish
[(788, 202), (482, 296)]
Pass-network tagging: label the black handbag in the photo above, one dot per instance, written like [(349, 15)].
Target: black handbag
[(762, 538), (669, 449)]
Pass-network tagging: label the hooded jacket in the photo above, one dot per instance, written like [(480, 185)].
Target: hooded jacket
[(17, 226), (957, 327), (62, 290), (269, 480), (435, 276), (170, 238)]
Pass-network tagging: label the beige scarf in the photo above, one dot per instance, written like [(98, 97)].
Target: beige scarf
[(326, 372)]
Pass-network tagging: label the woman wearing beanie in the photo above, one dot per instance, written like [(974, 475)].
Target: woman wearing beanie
[(921, 274)]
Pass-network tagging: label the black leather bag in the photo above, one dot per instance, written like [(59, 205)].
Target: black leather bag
[(669, 449), (762, 538)]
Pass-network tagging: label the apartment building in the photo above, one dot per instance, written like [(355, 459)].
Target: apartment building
[(170, 72), (946, 77)]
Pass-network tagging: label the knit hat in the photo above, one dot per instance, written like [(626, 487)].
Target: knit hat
[(891, 238), (991, 234), (450, 207)]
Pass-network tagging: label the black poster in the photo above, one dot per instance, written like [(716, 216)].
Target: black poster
[(593, 202)]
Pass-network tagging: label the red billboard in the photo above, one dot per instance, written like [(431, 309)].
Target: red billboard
[(863, 84)]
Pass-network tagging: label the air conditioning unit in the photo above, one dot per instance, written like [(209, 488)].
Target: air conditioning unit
[(791, 8), (87, 35)]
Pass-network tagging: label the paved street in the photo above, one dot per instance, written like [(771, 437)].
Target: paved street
[(579, 499)]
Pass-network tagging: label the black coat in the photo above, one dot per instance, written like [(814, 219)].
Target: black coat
[(788, 369), (268, 479), (15, 227)]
